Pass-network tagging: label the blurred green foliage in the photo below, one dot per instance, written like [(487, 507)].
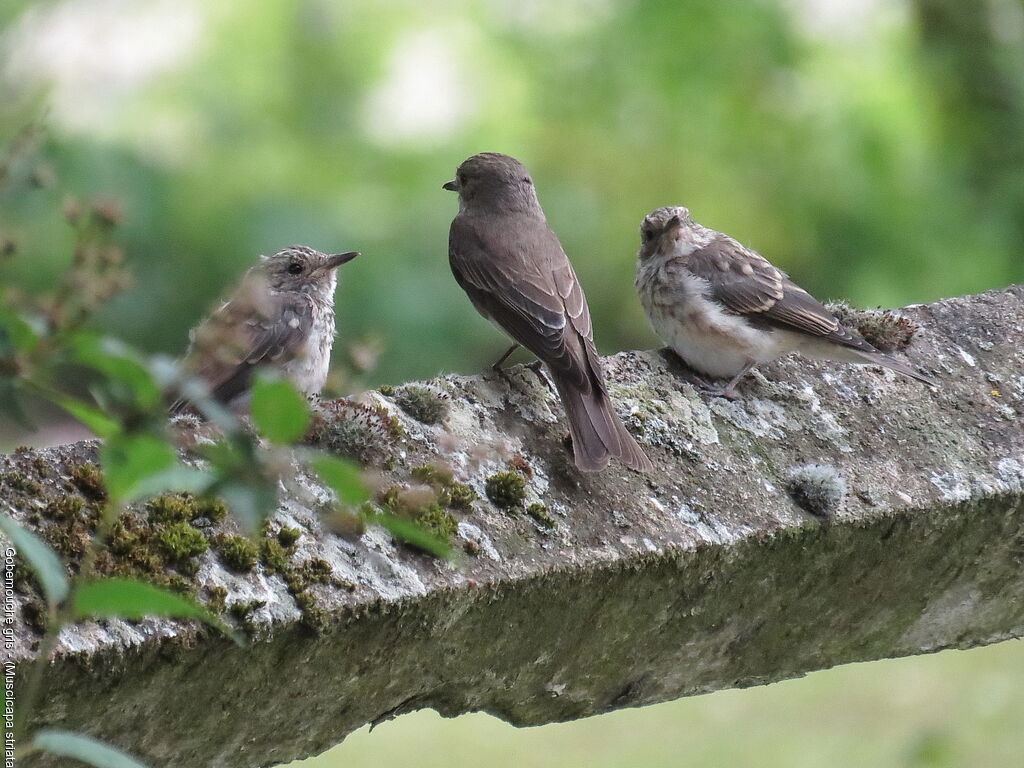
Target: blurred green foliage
[(869, 158)]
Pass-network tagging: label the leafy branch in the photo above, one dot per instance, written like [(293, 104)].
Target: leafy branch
[(121, 395)]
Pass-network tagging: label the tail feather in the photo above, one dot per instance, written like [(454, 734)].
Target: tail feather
[(596, 431), (880, 358)]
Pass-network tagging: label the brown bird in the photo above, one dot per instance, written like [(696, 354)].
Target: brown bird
[(516, 274), (723, 308), (279, 317)]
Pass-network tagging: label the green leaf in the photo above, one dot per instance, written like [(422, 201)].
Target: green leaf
[(118, 362), (129, 461), (343, 477), (279, 412), (16, 335), (93, 418), (10, 403), (39, 557), (169, 376), (177, 478), (83, 748), (409, 532), (250, 502), (131, 599)]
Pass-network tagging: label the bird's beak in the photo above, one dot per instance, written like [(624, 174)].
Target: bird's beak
[(451, 186), (337, 259)]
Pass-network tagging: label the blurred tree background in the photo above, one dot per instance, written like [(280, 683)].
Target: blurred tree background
[(873, 148)]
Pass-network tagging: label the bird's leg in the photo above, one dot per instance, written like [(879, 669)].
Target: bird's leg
[(729, 390), (538, 370), (497, 367), (689, 375)]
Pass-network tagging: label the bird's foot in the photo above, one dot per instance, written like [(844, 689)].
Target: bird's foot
[(502, 374), (708, 388), (729, 390), (714, 390)]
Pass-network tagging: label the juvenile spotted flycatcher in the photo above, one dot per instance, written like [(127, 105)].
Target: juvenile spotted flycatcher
[(516, 274), (279, 317), (724, 308)]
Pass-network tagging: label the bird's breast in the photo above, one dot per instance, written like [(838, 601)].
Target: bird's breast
[(308, 371), (699, 329)]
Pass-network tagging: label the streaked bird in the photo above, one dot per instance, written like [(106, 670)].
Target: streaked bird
[(724, 308), (279, 317), (516, 274)]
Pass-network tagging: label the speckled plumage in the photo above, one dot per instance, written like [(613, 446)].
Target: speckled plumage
[(279, 316), (724, 308)]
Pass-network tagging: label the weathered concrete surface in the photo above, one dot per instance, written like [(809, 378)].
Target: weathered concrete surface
[(704, 575)]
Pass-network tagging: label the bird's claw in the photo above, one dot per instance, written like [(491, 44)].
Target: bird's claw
[(712, 390)]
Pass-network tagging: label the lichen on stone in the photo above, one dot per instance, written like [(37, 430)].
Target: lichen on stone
[(816, 488)]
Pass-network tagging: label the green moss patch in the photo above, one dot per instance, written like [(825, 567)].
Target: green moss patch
[(421, 507), (364, 433), (450, 493), (88, 479), (424, 404), (506, 489), (237, 552), (539, 512)]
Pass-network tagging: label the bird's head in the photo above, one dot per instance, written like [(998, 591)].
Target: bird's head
[(493, 180), (298, 268), (663, 229)]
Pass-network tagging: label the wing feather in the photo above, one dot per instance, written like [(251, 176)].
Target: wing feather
[(528, 287), (254, 328), (747, 284)]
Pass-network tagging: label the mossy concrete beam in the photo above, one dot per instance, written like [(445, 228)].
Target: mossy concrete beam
[(703, 575)]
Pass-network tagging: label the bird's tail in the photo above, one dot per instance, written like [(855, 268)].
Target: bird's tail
[(880, 358), (596, 430)]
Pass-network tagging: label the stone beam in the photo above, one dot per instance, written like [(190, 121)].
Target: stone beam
[(616, 589)]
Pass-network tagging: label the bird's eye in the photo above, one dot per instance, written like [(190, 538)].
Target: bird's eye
[(647, 233), (295, 268), (526, 180), (462, 179)]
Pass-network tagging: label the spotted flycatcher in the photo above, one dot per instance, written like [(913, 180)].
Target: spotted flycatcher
[(724, 308), (280, 317), (516, 274)]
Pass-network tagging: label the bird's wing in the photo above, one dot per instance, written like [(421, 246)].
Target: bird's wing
[(525, 284), (256, 327), (747, 284)]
